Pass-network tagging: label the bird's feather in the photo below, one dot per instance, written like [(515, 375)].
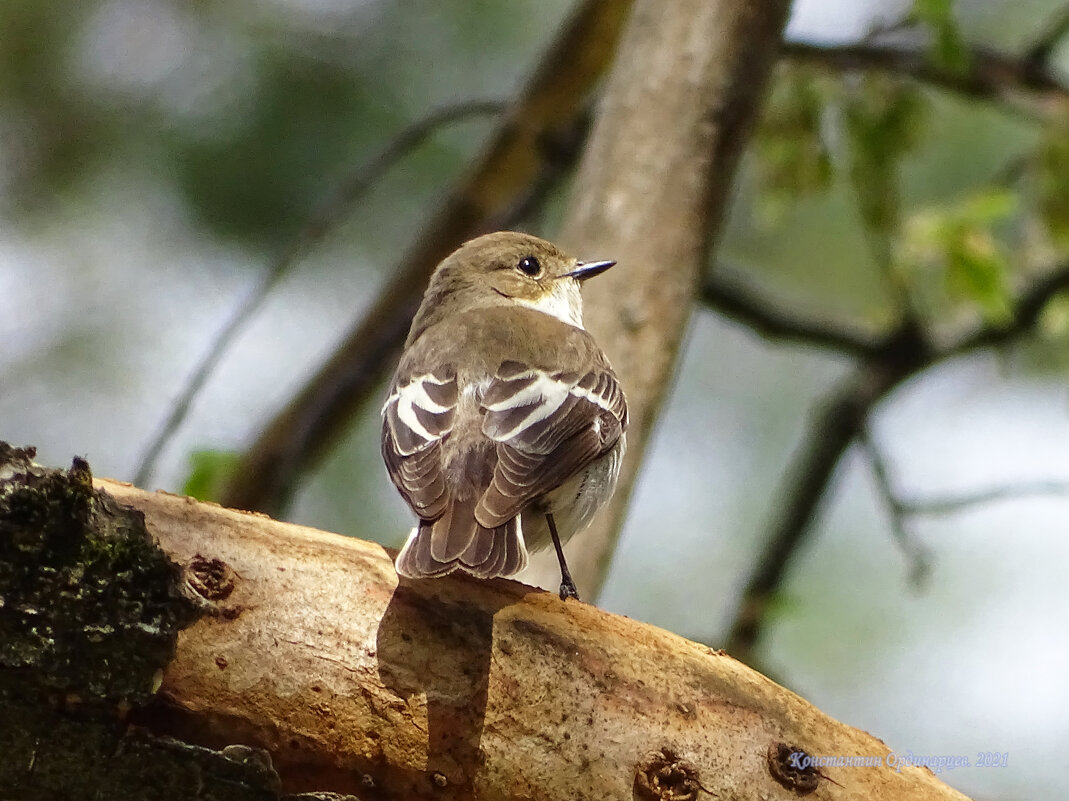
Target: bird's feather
[(470, 449), (548, 427), (417, 416)]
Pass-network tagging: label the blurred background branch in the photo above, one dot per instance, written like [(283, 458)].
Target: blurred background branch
[(1016, 81), (759, 314), (552, 99), (1043, 46), (841, 419), (917, 558), (330, 215)]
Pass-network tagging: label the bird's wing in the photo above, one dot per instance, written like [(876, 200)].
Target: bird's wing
[(548, 426), (418, 414)]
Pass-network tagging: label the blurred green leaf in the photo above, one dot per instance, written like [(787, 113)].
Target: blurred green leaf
[(58, 135), (977, 270), (1052, 167), (987, 207), (948, 49), (256, 179), (1054, 321), (883, 119), (209, 474), (933, 12), (959, 243), (794, 159), (784, 605)]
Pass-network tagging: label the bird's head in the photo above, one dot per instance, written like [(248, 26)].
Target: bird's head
[(508, 268)]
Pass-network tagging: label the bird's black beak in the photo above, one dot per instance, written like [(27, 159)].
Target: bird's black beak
[(588, 269)]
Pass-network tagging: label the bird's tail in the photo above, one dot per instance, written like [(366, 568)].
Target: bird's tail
[(456, 541)]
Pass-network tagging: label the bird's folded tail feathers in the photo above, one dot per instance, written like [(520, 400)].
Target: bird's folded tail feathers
[(456, 541)]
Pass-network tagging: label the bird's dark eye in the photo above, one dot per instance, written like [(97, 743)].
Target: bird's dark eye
[(529, 266)]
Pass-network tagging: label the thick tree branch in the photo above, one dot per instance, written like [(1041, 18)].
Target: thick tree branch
[(553, 98), (333, 678)]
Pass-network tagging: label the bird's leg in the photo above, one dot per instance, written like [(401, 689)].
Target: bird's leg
[(567, 586)]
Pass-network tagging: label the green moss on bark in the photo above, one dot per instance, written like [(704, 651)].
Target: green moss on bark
[(90, 607), (90, 611)]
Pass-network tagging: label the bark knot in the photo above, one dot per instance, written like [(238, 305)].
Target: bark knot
[(211, 579), (663, 776), (783, 764)]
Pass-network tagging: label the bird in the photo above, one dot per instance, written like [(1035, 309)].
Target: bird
[(504, 424)]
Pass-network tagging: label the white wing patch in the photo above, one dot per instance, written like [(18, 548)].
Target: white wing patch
[(597, 398), (421, 411), (537, 395), (414, 396), (549, 426), (522, 399)]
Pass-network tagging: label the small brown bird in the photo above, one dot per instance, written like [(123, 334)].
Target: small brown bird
[(504, 425)]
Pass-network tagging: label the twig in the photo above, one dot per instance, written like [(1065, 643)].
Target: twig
[(326, 219), (884, 28), (1029, 307), (744, 306), (1038, 55), (945, 506), (916, 555), (988, 75), (901, 511)]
